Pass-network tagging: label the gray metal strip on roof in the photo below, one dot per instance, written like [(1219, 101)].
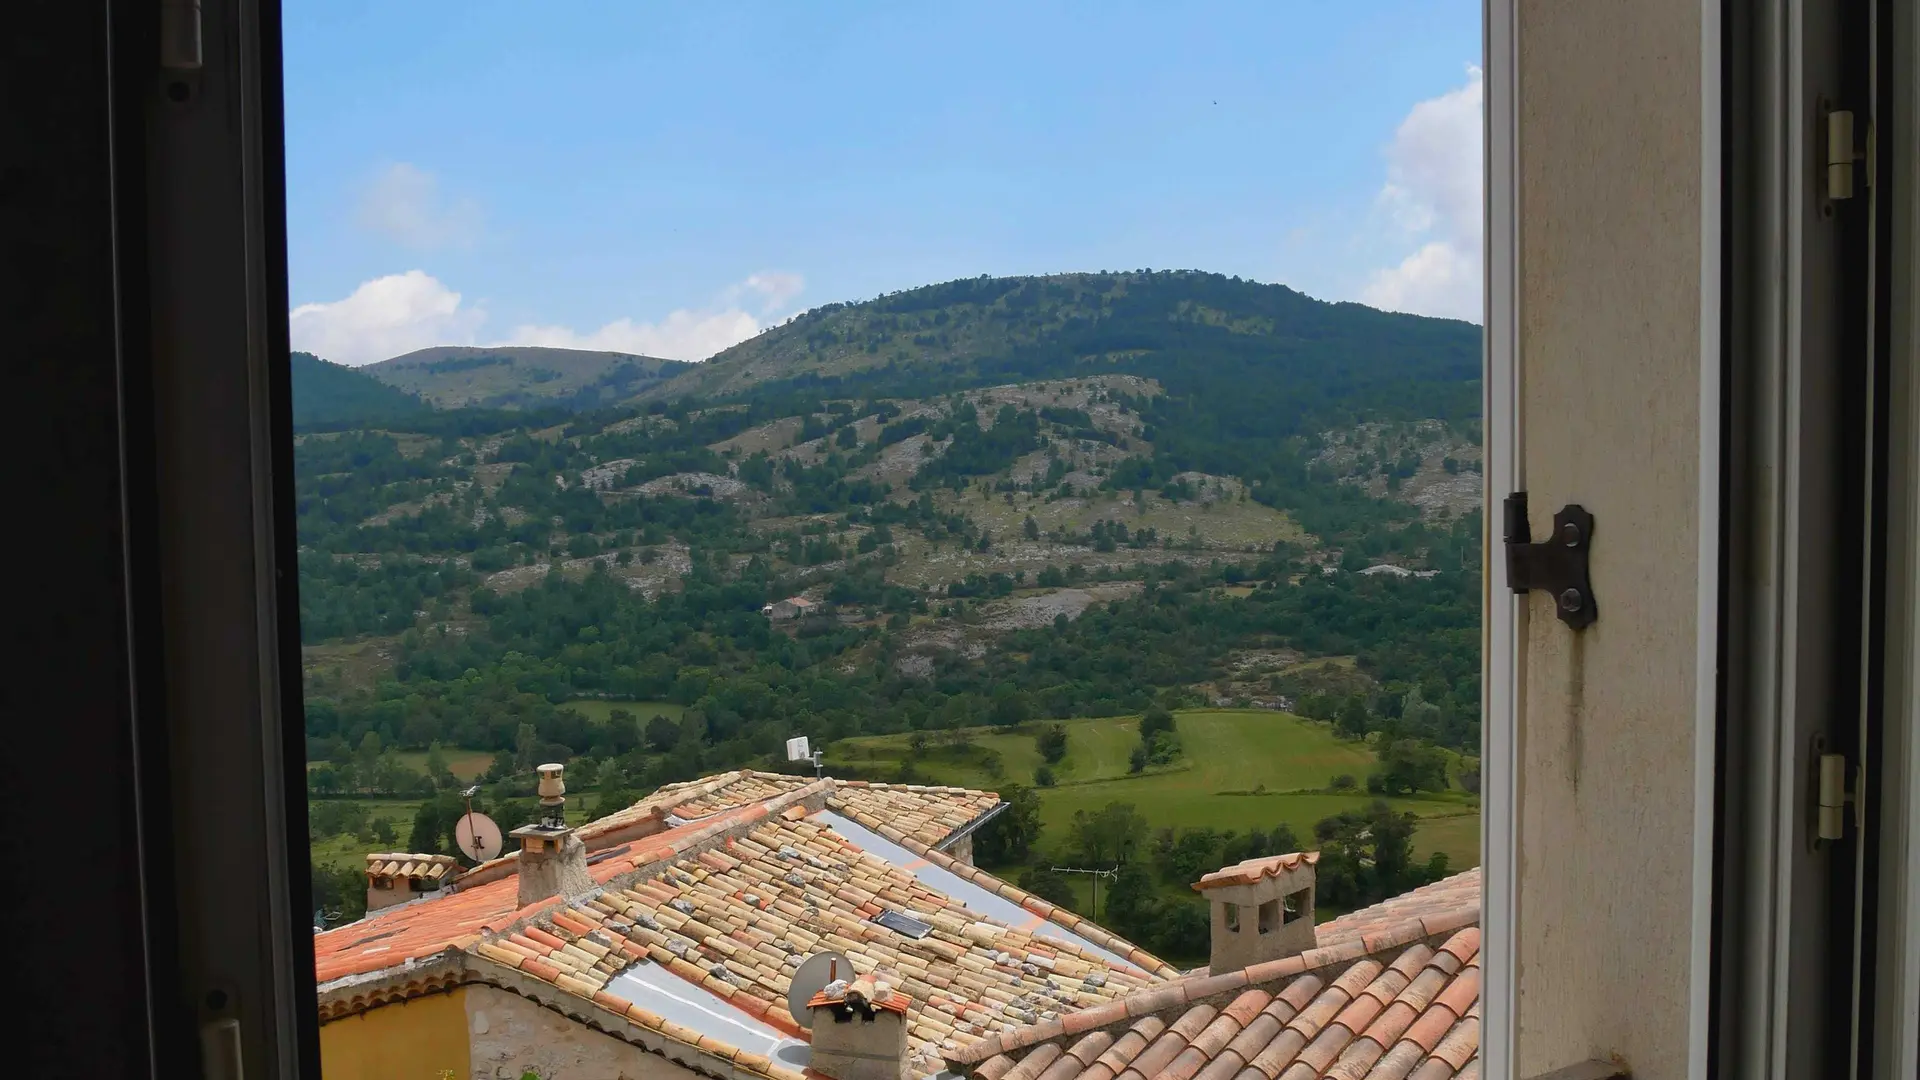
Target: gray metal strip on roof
[(656, 989), (971, 896), (971, 827)]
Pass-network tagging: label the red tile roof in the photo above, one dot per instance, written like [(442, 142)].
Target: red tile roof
[(1393, 997), (928, 814), (1251, 870), (736, 920), (488, 900)]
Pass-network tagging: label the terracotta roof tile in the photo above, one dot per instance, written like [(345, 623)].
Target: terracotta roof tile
[(407, 932), (748, 884), (1251, 870), (1404, 1011), (927, 814), (737, 919)]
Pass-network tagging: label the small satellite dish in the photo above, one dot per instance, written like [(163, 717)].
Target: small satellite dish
[(815, 973), (797, 750), (477, 837)]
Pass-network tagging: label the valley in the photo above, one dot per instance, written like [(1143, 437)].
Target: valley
[(1083, 501)]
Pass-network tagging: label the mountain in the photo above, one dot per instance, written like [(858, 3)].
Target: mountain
[(1181, 327), (520, 376), (328, 395), (1009, 498)]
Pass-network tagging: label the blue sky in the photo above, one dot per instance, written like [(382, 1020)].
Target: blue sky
[(672, 178)]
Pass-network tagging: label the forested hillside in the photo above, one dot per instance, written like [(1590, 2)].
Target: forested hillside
[(520, 376), (1013, 501), (327, 395)]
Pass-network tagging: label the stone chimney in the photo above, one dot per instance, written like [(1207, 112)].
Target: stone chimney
[(397, 877), (553, 861), (1262, 910), (859, 1030)]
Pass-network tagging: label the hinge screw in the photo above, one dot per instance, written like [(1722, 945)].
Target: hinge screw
[(1570, 600), (1570, 534)]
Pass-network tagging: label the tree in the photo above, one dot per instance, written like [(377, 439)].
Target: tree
[(1043, 776), (526, 749), (1130, 906), (1010, 836), (1408, 766), (1192, 853), (1052, 743), (1010, 706), (1354, 721), (339, 894), (437, 770), (1137, 759), (1154, 721), (1366, 856), (1113, 834), (1470, 775), (1418, 715), (1164, 749), (1182, 928), (662, 733), (1031, 528)]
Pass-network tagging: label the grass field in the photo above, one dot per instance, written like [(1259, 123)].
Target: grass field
[(601, 709), (463, 764), (1241, 768)]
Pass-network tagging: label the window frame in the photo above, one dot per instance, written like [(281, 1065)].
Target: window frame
[(1505, 615)]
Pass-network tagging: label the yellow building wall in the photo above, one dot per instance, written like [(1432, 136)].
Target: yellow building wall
[(422, 1039)]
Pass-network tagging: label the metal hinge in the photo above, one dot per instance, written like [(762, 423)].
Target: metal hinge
[(1558, 565), (1832, 779), (180, 35), (1841, 154)]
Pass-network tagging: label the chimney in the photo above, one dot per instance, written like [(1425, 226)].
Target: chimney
[(1262, 910), (396, 877), (553, 861), (859, 1030)]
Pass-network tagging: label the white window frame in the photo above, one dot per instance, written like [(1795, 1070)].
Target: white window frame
[(1505, 616), (1506, 619)]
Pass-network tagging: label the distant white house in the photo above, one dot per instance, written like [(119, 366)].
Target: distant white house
[(791, 608), (1398, 571)]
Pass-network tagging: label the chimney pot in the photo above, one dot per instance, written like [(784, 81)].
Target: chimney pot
[(1262, 909), (553, 861), (859, 1030)]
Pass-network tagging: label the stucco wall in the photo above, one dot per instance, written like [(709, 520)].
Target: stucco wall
[(421, 1039), (1609, 152), (511, 1035)]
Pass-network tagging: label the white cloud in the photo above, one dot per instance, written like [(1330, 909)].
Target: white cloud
[(404, 203), (385, 317), (775, 287), (1433, 192), (682, 335), (403, 312)]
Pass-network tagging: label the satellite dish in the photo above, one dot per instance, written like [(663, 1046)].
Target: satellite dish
[(815, 973), (797, 749), (477, 837)]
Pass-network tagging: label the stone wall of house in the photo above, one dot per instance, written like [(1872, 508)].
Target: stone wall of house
[(509, 1036), (962, 850)]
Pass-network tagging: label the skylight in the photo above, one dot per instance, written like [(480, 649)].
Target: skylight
[(903, 924)]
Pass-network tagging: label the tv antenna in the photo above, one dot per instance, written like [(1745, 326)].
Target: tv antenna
[(797, 750), (1096, 873)]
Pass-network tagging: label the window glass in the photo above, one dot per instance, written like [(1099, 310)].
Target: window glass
[(947, 489)]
